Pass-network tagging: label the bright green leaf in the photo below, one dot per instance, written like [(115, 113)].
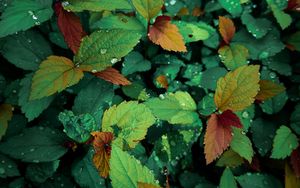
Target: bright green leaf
[(192, 31), (227, 179), (148, 8)]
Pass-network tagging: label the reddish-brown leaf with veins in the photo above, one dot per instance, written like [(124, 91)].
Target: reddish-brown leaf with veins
[(70, 26), (163, 81), (167, 35), (114, 76), (226, 28), (295, 161), (102, 146), (228, 118)]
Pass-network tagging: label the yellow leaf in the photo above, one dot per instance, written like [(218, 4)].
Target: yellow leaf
[(148, 8), (5, 116), (237, 89), (165, 34), (291, 181), (146, 185), (268, 89), (54, 75)]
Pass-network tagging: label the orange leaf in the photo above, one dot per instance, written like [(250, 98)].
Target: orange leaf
[(268, 89), (217, 138), (70, 26), (226, 28), (163, 81), (102, 147), (146, 185), (167, 35), (114, 76)]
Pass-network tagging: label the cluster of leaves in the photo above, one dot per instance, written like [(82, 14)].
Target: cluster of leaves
[(150, 93)]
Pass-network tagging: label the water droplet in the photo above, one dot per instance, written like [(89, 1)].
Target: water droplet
[(173, 143), (114, 60), (103, 51), (94, 71), (2, 161), (272, 75), (161, 96), (22, 153), (9, 166), (245, 114), (2, 170), (14, 91), (32, 149), (62, 185), (36, 161), (156, 158), (172, 2), (65, 3)]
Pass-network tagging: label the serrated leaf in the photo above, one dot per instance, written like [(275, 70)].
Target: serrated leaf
[(41, 172), (230, 159), (8, 167), (5, 116), (135, 62), (126, 171), (148, 9), (70, 26), (192, 31), (234, 56), (114, 76), (284, 143), (234, 7), (207, 105), (227, 179), (31, 108), (78, 128), (282, 18), (210, 77), (20, 49), (127, 117), (257, 180), (102, 146), (241, 144), (173, 107), (166, 34), (102, 48), (36, 144), (24, 14), (95, 5), (274, 104), (237, 89), (54, 75), (268, 89), (291, 181), (226, 28), (146, 185), (85, 174)]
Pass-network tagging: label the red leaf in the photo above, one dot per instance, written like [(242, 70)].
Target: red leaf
[(70, 26), (165, 34), (217, 138), (293, 5), (255, 165), (228, 118), (102, 146), (226, 28), (163, 81), (295, 161), (114, 76)]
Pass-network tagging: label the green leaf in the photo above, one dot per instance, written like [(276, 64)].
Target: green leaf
[(54, 75), (246, 117), (41, 172), (21, 49), (282, 18), (31, 108), (230, 159), (234, 7), (275, 104), (210, 77), (78, 127), (5, 116), (193, 73), (135, 62), (15, 126), (295, 119), (176, 108), (24, 14), (207, 105), (227, 179), (126, 171), (241, 144), (37, 144), (263, 133), (284, 143), (95, 5), (257, 27), (8, 168), (11, 92), (192, 31), (127, 117), (257, 180), (148, 9), (103, 48), (85, 173), (234, 56), (279, 63), (294, 40)]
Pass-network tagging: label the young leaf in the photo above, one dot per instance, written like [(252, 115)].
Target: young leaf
[(5, 116), (227, 179), (70, 26), (226, 28), (102, 146), (127, 117), (21, 15), (102, 49), (148, 8), (36, 144), (114, 76), (284, 143), (217, 138), (176, 108), (268, 89), (234, 55), (295, 161), (54, 75), (291, 180), (126, 171), (241, 144), (234, 7), (165, 34), (237, 89)]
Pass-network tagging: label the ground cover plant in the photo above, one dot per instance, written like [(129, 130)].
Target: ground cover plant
[(150, 93)]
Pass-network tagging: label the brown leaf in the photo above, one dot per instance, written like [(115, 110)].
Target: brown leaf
[(146, 185), (226, 28), (163, 81), (114, 76), (102, 146), (268, 89)]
